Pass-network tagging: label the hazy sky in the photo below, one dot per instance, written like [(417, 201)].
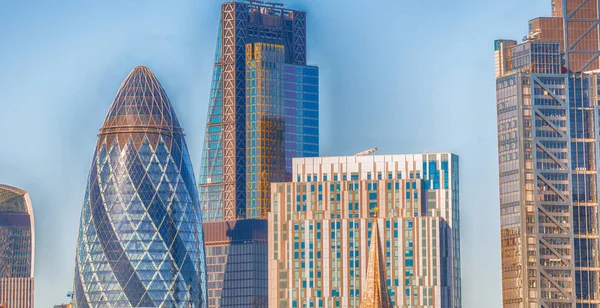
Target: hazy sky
[(406, 76)]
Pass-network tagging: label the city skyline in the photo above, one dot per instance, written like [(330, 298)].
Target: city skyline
[(89, 88)]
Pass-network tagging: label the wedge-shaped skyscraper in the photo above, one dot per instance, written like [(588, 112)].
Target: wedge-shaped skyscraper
[(263, 111), (140, 239)]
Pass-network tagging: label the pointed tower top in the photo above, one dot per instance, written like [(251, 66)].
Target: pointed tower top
[(375, 293), (141, 105)]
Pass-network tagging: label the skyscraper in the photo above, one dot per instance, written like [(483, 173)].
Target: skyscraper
[(17, 248), (263, 111), (548, 125), (323, 246), (140, 238)]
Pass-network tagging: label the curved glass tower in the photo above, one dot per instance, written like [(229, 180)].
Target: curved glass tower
[(17, 248), (140, 239)]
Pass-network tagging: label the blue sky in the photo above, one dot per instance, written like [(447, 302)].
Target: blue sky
[(406, 76)]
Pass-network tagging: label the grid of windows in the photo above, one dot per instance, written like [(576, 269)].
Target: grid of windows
[(259, 109), (547, 154), (17, 247), (236, 263), (265, 128), (301, 95), (320, 231)]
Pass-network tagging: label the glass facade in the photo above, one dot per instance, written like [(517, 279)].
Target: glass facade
[(583, 94), (211, 168), (538, 57), (547, 104), (263, 105), (263, 111), (17, 248), (301, 99), (237, 263), (265, 128), (140, 240), (320, 231)]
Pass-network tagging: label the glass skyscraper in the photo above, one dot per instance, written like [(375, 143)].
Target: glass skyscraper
[(548, 124), (17, 248), (263, 111), (140, 239), (321, 232)]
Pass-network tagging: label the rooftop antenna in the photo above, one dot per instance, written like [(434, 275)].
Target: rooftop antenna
[(367, 152)]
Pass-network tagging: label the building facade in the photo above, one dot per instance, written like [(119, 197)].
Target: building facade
[(17, 248), (263, 111), (140, 239), (547, 109), (321, 225), (236, 263)]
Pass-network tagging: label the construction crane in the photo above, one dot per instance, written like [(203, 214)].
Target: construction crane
[(532, 36), (367, 152)]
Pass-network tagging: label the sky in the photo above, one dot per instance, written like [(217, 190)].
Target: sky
[(406, 76)]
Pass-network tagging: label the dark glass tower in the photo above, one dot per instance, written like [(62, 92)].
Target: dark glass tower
[(263, 111), (548, 109), (17, 248), (140, 239)]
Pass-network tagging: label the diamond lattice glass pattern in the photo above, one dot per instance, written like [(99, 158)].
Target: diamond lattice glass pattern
[(140, 238)]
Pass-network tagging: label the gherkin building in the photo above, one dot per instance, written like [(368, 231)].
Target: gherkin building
[(140, 239)]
